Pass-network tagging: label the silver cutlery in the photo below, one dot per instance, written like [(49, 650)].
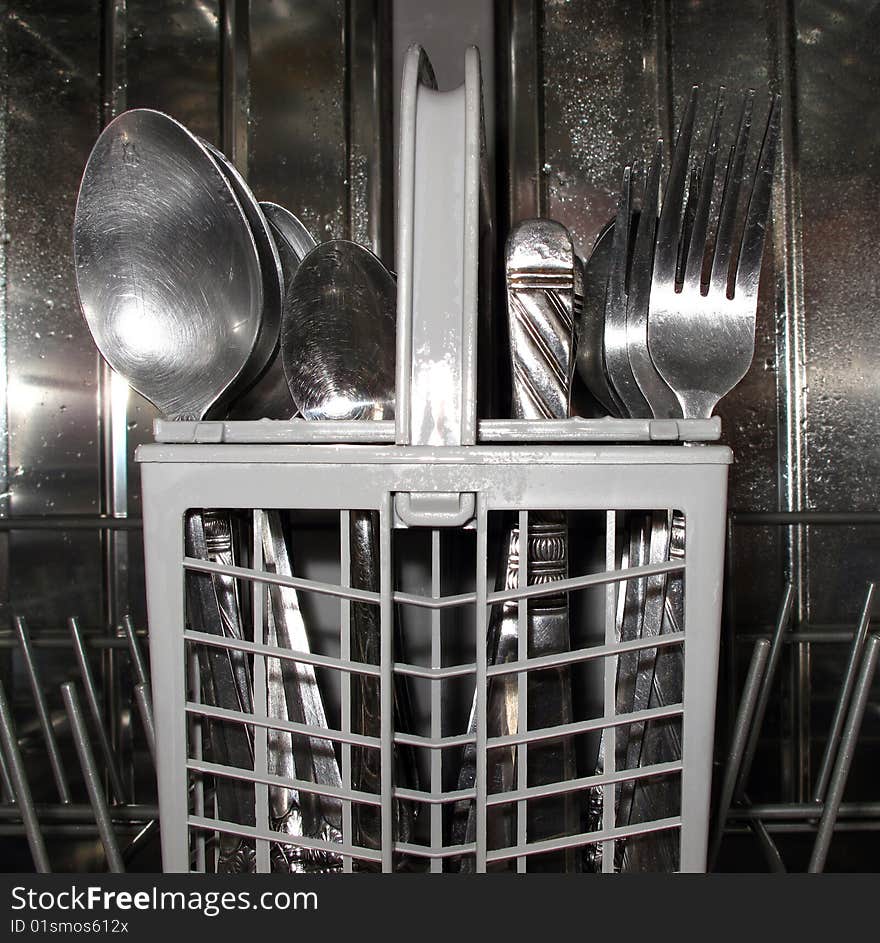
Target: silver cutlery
[(338, 348), (158, 279), (686, 344), (179, 313), (590, 324), (714, 322), (702, 338), (543, 278), (167, 270), (270, 266), (293, 687), (230, 743)]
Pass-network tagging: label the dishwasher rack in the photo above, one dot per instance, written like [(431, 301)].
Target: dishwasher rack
[(517, 479), (110, 808)]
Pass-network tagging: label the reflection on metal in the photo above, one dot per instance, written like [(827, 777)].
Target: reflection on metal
[(235, 81), (791, 380), (4, 377), (369, 96), (520, 102)]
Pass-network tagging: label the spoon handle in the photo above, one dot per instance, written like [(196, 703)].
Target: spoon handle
[(297, 697), (229, 742), (366, 710)]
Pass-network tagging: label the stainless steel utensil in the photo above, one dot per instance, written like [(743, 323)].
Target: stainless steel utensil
[(137, 162), (702, 343), (291, 230), (171, 288), (617, 362), (689, 328), (166, 266), (269, 397), (715, 323), (294, 694), (621, 327), (270, 268), (543, 276), (338, 347), (338, 334), (590, 324), (229, 742), (660, 400), (656, 674), (641, 602)]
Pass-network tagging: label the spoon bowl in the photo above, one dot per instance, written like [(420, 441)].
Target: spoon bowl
[(338, 334), (270, 397), (266, 345), (167, 269), (290, 229)]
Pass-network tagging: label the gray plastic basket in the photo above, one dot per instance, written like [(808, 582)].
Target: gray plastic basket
[(450, 493), (520, 478)]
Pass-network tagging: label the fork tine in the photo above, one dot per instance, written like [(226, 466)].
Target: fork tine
[(616, 293), (687, 225), (730, 199), (697, 249), (643, 250), (748, 269), (670, 223)]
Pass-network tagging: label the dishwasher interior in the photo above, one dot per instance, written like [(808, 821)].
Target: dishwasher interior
[(302, 97)]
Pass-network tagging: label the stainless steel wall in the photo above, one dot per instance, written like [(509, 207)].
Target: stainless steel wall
[(300, 93)]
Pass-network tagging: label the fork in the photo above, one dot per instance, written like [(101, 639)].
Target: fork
[(656, 306), (701, 343), (702, 337)]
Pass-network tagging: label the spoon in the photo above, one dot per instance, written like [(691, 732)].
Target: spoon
[(270, 267), (290, 229), (270, 396), (338, 349), (171, 288), (338, 334), (293, 688), (167, 269)]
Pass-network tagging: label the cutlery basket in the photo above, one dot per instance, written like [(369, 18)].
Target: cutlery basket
[(440, 512)]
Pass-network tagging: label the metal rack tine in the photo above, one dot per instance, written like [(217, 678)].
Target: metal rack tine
[(757, 721), (741, 730), (92, 778), (95, 708), (145, 709), (843, 701), (6, 787), (844, 759), (138, 662), (768, 846), (45, 721), (21, 789), (143, 837)]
